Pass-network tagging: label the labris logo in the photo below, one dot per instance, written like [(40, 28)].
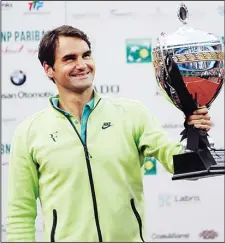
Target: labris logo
[(106, 125), (54, 136)]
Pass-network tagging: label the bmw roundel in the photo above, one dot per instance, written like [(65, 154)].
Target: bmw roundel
[(18, 77)]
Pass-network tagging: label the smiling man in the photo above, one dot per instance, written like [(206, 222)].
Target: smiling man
[(83, 155)]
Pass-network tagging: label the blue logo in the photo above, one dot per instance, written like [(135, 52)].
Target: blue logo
[(195, 66), (18, 77)]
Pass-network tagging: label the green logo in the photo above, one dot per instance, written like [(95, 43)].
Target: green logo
[(22, 36), (139, 50), (5, 148), (150, 166), (222, 38)]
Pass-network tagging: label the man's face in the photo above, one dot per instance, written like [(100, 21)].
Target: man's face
[(74, 67)]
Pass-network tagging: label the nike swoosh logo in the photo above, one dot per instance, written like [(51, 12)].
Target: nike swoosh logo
[(106, 125)]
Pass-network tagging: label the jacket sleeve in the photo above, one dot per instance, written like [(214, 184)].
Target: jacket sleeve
[(153, 141), (22, 191)]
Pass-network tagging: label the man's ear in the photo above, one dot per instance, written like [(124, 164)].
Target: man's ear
[(48, 70)]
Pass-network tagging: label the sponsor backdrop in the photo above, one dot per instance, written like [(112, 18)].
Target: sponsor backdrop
[(122, 36)]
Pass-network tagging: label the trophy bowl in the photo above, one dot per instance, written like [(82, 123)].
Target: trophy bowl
[(189, 69)]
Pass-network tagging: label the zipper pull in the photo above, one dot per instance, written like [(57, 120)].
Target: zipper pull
[(88, 155)]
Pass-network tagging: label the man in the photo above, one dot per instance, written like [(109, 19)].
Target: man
[(83, 155)]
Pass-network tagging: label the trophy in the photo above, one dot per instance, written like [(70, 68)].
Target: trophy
[(189, 69)]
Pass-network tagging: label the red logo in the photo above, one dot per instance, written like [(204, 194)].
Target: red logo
[(208, 234)]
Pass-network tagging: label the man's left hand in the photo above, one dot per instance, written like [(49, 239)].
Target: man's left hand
[(200, 119)]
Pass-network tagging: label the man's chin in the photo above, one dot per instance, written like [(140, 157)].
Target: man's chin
[(82, 88)]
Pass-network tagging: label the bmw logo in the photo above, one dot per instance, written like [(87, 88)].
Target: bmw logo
[(18, 78)]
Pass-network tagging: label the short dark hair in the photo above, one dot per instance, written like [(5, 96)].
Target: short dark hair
[(48, 43)]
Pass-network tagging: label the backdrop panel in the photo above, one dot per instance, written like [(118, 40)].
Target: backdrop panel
[(122, 35)]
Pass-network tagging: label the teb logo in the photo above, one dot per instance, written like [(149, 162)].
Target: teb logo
[(35, 5), (208, 234)]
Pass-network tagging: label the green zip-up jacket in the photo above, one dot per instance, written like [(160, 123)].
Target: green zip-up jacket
[(89, 191)]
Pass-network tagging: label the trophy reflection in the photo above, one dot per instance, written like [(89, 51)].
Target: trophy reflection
[(189, 69)]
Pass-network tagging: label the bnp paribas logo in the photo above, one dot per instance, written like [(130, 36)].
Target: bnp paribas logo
[(139, 50), (150, 166)]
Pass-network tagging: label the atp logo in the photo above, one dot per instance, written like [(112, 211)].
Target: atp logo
[(150, 166), (35, 5), (139, 50)]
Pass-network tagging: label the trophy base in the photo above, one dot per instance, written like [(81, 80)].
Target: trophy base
[(198, 166)]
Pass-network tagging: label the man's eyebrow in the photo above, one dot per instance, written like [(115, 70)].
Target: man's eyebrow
[(72, 55), (87, 52)]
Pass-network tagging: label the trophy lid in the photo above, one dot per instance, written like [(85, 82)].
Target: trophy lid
[(186, 35)]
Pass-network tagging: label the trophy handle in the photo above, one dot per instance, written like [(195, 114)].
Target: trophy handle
[(197, 140), (187, 102)]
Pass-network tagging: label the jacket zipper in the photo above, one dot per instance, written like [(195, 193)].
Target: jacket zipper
[(137, 217), (88, 156), (54, 224)]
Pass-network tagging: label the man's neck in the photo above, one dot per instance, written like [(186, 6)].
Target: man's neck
[(74, 102)]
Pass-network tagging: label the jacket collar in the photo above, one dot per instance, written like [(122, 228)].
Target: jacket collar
[(97, 98)]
